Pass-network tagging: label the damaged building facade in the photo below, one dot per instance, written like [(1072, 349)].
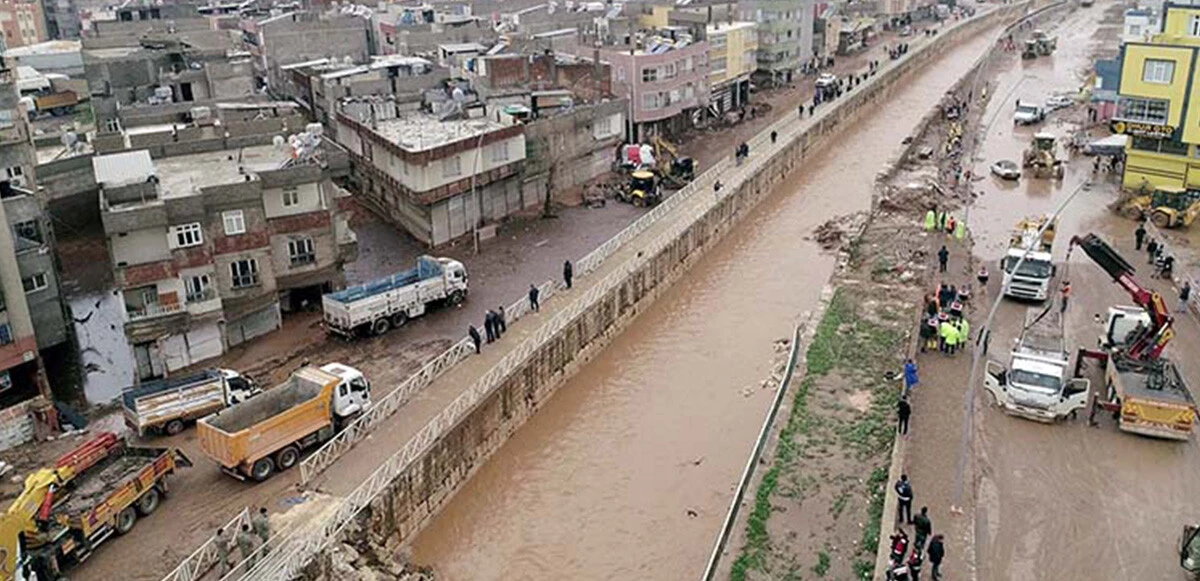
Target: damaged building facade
[(209, 249)]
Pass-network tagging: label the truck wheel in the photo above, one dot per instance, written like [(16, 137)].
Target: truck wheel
[(380, 326), (287, 457), (173, 427), (262, 469), (148, 503), (1161, 219), (125, 520), (456, 297), (399, 319)]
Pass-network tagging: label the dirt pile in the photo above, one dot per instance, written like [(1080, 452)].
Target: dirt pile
[(835, 233)]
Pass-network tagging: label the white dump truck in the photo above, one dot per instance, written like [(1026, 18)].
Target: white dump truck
[(1038, 383), (376, 307), (1032, 280), (168, 405)]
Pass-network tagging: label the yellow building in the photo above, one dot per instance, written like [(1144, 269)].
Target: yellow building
[(1157, 106), (731, 60)]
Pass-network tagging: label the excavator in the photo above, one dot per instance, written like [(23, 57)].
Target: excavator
[(676, 171), (1145, 392), (1042, 157), (64, 512)]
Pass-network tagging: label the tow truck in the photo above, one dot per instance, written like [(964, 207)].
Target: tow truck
[(1145, 391)]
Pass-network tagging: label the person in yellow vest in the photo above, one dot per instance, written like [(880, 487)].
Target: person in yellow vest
[(964, 330), (951, 338), (930, 220), (944, 331), (960, 230)]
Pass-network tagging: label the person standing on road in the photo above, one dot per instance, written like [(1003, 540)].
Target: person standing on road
[(568, 273), (944, 329), (224, 553), (475, 338), (489, 325), (937, 551), (1152, 249), (943, 257), (923, 527), (1139, 236), (904, 494), (930, 219), (262, 526), (903, 412), (952, 338), (911, 379), (914, 565), (1185, 293), (245, 543), (774, 136), (501, 324), (1066, 294), (533, 298)]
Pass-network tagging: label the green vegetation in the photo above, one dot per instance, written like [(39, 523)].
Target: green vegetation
[(848, 345)]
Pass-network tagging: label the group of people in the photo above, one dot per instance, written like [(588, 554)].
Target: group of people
[(936, 219), (1163, 262), (904, 565), (898, 51), (945, 327), (495, 323), (248, 540), (741, 152), (1111, 163)]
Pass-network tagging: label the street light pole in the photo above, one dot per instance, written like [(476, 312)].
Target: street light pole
[(474, 192)]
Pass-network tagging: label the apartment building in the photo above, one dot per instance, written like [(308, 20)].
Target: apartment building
[(439, 176), (209, 249), (732, 59), (1155, 103), (299, 37), (319, 85), (785, 35), (22, 23)]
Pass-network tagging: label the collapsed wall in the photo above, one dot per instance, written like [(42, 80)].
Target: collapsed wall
[(418, 493)]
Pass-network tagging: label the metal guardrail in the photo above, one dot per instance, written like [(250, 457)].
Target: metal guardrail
[(199, 562)]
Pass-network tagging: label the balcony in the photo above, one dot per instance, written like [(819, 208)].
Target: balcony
[(205, 301), (153, 311)]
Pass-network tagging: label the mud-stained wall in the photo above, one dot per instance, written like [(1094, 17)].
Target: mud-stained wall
[(425, 488)]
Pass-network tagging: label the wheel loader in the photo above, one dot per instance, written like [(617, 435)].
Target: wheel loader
[(1166, 207)]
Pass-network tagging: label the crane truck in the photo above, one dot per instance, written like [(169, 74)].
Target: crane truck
[(1144, 390), (1037, 384), (1032, 280), (65, 512)]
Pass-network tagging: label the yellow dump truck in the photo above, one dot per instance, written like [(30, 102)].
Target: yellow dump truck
[(260, 436), (1149, 398), (65, 512)]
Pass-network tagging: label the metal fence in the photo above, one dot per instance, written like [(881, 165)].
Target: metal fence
[(198, 563)]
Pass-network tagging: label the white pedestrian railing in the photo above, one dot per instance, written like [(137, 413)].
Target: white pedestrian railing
[(205, 558)]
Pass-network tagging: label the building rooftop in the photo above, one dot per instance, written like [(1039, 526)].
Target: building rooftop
[(722, 27), (184, 175), (419, 132), (45, 48)]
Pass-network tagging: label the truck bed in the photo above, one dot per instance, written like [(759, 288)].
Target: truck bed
[(1043, 336), (427, 267), (99, 481), (130, 396), (1167, 386)]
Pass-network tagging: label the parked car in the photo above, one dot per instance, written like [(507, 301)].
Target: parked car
[(1028, 114), (826, 80), (1059, 102), (1006, 170)]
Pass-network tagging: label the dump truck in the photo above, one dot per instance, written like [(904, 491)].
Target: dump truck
[(1147, 397), (1037, 383), (167, 406), (379, 306), (1032, 280), (256, 438), (57, 104), (100, 489)]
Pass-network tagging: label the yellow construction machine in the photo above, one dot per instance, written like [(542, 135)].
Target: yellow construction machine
[(1042, 156), (675, 170), (1167, 207), (642, 190)]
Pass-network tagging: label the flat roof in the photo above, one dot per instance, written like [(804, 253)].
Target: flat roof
[(184, 175), (727, 26), (462, 47), (119, 169), (419, 132), (42, 48)]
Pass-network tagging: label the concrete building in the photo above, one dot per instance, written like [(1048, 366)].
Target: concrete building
[(664, 73), (732, 54), (64, 57), (22, 23), (300, 37), (208, 249), (1155, 104), (439, 180), (319, 85), (785, 35), (1139, 25)]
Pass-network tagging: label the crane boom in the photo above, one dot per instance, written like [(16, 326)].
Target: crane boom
[(1149, 345)]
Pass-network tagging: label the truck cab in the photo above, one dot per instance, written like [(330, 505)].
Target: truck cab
[(1121, 326), (1038, 383), (239, 387), (1032, 280), (353, 395)]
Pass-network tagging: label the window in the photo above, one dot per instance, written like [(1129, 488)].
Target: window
[(603, 128), (29, 230), (621, 74), (112, 125), (451, 167), (235, 222), (291, 197), (244, 273), (669, 71), (649, 75), (1152, 111), (15, 175), (1195, 26), (6, 119), (34, 283), (689, 92), (197, 288), (301, 251), (1158, 71), (500, 152), (5, 334), (650, 101), (1136, 30), (687, 65), (186, 235), (1170, 146)]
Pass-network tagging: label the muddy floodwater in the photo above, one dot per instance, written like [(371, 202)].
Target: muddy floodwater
[(627, 471)]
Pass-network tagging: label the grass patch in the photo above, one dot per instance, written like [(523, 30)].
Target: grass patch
[(823, 562)]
